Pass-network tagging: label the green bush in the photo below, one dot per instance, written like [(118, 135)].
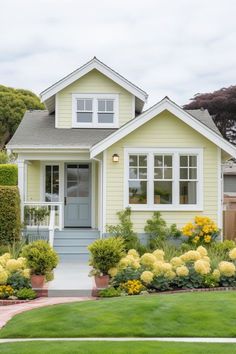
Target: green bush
[(109, 292), (106, 253), (125, 230), (10, 223), (8, 175), (3, 157), (158, 231), (18, 281), (40, 256), (26, 294), (3, 249)]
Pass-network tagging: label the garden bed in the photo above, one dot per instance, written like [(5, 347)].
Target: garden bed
[(12, 302)]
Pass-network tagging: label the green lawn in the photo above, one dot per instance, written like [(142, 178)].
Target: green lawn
[(206, 314), (115, 348)]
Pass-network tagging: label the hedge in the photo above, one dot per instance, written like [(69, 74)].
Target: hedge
[(10, 221), (8, 175)]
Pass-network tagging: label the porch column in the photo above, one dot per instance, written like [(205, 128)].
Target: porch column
[(21, 184)]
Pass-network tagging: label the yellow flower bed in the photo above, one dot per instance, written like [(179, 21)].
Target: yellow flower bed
[(10, 265), (132, 287)]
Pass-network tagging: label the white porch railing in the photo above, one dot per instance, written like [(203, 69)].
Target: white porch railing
[(43, 215), (51, 226)]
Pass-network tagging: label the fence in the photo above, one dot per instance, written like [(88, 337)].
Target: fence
[(229, 224)]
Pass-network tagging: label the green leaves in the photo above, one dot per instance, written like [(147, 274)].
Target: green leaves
[(8, 175)]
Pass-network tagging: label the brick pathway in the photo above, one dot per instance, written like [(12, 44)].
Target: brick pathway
[(7, 312)]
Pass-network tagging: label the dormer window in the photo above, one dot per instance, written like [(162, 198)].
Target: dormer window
[(95, 111)]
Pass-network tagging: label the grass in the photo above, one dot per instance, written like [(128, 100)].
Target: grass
[(205, 314), (115, 348)]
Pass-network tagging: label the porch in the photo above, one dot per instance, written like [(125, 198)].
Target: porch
[(61, 199)]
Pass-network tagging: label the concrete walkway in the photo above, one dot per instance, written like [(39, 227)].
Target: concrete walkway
[(124, 339), (7, 312)]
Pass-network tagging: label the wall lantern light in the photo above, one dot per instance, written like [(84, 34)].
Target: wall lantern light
[(115, 158)]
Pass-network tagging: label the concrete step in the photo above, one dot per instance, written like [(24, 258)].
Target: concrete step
[(78, 234), (71, 249), (73, 241), (74, 257), (69, 293)]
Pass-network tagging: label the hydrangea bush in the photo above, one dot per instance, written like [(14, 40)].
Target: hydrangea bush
[(192, 269), (14, 275)]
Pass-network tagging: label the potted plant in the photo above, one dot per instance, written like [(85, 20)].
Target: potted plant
[(105, 254), (41, 259)]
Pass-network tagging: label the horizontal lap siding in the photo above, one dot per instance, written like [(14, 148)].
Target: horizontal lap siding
[(93, 82), (33, 181), (164, 130)]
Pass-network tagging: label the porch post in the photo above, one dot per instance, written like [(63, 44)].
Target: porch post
[(21, 182)]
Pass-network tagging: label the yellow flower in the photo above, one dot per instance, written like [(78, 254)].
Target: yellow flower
[(3, 277), (124, 263), (170, 274), (196, 239), (134, 253), (216, 274), (132, 287), (232, 253), (26, 273), (159, 254), (112, 272), (13, 265), (207, 238), (226, 268), (4, 258), (148, 259), (202, 250), (176, 262), (190, 256), (147, 277), (182, 271), (202, 267)]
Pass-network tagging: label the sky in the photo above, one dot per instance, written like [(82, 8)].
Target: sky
[(174, 48)]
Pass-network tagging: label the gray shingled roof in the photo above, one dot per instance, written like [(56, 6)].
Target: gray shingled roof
[(204, 117), (38, 129)]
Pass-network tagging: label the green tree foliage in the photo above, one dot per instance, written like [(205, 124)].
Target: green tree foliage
[(8, 175), (221, 105), (13, 104)]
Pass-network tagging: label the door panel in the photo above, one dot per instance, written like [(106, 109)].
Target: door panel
[(77, 195)]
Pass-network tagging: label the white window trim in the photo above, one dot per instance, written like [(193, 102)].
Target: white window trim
[(95, 97), (43, 179), (175, 206)]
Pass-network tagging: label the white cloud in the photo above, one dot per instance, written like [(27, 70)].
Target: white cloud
[(174, 48)]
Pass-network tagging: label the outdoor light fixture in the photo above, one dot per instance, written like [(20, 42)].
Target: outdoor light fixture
[(115, 158)]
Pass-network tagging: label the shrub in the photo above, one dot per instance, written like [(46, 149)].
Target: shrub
[(6, 291), (106, 253), (109, 292), (158, 231), (126, 274), (40, 256), (8, 175), (15, 248), (26, 294), (18, 281), (10, 223), (3, 249), (202, 231), (125, 230), (3, 157)]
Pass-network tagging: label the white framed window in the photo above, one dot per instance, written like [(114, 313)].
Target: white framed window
[(51, 183), (95, 110), (163, 179)]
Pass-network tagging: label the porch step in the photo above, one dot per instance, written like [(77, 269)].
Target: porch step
[(75, 233), (69, 293), (71, 249), (70, 241), (73, 257)]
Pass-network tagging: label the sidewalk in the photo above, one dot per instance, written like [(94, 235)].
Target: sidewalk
[(7, 312)]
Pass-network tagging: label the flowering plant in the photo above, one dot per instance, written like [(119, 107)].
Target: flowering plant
[(133, 287), (203, 231)]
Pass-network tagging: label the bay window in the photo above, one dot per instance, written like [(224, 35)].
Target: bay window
[(163, 179)]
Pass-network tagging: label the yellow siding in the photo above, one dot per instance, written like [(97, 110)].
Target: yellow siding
[(93, 82), (33, 181), (164, 130)]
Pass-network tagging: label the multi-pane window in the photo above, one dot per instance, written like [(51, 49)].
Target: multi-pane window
[(138, 179), (163, 179), (105, 111), (51, 183), (188, 179), (84, 111), (95, 110)]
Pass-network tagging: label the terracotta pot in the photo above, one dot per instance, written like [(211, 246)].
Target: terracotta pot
[(37, 281), (102, 281)]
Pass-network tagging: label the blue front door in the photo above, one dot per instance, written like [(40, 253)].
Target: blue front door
[(77, 195)]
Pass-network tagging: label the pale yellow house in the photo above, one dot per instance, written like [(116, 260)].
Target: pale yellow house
[(95, 151)]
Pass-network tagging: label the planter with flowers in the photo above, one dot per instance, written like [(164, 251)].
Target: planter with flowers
[(41, 259), (105, 254)]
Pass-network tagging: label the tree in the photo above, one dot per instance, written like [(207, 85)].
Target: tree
[(221, 105), (13, 104)]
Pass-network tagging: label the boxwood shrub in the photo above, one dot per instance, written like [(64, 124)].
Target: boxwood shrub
[(8, 175), (10, 223)]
